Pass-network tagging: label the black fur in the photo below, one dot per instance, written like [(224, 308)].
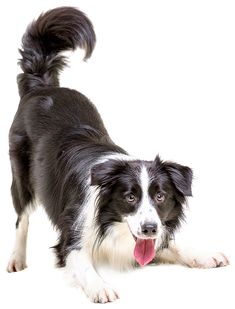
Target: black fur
[(57, 136)]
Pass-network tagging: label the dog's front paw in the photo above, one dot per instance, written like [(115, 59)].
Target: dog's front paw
[(100, 292), (215, 260)]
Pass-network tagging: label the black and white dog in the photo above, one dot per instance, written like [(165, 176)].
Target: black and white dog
[(107, 206)]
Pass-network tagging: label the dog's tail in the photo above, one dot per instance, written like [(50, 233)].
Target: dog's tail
[(60, 29)]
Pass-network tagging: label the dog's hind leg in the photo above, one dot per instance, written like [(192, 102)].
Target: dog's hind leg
[(17, 260), (22, 196)]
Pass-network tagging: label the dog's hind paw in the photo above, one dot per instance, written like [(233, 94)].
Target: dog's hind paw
[(16, 263), (101, 293), (215, 260)]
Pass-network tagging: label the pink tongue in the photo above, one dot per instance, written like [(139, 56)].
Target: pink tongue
[(144, 251)]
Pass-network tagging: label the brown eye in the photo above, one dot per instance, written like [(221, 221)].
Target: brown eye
[(160, 198), (131, 198)]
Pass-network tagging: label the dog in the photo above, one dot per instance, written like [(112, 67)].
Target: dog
[(108, 207)]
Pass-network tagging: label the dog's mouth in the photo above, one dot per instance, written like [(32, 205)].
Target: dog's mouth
[(144, 251)]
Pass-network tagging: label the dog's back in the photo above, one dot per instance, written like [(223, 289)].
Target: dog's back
[(47, 114), (43, 103)]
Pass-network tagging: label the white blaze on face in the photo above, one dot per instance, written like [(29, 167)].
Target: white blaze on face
[(146, 212)]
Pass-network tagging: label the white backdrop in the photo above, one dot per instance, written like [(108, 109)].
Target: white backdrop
[(162, 76)]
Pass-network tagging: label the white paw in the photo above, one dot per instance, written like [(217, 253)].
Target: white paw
[(215, 260), (100, 292), (16, 263)]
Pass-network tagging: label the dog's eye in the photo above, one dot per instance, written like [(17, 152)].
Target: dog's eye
[(130, 198), (160, 197)]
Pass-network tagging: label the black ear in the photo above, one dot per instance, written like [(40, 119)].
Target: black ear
[(181, 176), (106, 172)]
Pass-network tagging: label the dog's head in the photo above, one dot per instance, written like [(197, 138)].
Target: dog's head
[(148, 195)]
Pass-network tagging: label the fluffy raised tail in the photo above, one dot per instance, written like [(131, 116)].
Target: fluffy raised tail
[(57, 30)]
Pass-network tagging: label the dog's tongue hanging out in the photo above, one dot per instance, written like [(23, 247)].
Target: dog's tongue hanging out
[(144, 251)]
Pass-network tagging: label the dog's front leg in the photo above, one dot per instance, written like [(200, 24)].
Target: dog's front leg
[(80, 267), (191, 257)]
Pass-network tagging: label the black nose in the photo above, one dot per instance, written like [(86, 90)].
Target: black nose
[(149, 229)]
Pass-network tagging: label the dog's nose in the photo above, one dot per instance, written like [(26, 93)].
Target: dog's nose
[(149, 229)]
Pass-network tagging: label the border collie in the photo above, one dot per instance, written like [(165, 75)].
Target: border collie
[(108, 207)]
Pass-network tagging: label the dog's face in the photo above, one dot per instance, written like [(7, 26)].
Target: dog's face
[(148, 195)]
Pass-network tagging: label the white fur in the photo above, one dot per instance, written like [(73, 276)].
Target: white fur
[(18, 258), (80, 266), (117, 247), (118, 157), (146, 211), (190, 257)]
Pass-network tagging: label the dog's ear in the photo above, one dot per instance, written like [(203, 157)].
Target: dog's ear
[(180, 175), (106, 172)]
